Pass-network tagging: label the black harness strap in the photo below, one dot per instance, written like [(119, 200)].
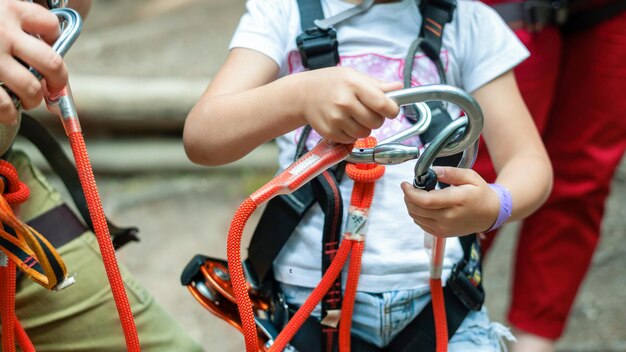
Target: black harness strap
[(435, 15), (332, 205), (37, 134), (318, 47), (280, 218)]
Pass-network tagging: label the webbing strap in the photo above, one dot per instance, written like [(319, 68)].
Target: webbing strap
[(31, 252), (37, 134), (330, 201), (310, 10), (435, 15)]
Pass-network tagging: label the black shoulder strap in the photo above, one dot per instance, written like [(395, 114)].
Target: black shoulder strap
[(310, 10), (37, 134), (435, 15), (318, 47)]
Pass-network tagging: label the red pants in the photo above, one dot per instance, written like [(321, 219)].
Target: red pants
[(580, 116)]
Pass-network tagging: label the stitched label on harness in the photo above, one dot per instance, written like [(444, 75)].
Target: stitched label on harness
[(303, 165)]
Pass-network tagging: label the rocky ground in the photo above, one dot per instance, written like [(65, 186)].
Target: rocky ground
[(182, 210)]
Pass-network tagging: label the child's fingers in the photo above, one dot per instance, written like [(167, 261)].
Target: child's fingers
[(341, 137), (429, 229), (365, 116), (372, 97), (437, 199), (389, 86), (457, 176), (417, 212)]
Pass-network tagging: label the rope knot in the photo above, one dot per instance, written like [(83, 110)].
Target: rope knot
[(13, 190), (366, 173)]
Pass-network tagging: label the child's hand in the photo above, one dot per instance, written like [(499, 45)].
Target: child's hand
[(344, 105), (468, 206)]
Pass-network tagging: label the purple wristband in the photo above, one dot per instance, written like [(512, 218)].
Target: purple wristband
[(506, 205)]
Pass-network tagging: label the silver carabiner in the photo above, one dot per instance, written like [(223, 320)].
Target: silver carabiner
[(450, 94), (446, 143), (71, 25)]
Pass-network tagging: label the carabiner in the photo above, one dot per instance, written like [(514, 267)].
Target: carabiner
[(453, 95), (71, 25), (62, 103)]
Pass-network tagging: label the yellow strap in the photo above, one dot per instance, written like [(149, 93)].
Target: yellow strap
[(31, 252)]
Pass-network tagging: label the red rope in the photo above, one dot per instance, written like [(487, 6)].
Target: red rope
[(365, 176), (7, 300), (15, 192), (237, 278), (439, 314), (101, 229), (22, 339), (316, 296)]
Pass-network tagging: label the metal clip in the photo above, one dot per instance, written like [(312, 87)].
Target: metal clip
[(332, 21), (67, 282)]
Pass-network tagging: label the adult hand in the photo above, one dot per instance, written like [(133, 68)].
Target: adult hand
[(19, 21), (468, 206), (344, 105)]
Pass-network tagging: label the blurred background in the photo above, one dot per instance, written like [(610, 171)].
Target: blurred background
[(137, 70)]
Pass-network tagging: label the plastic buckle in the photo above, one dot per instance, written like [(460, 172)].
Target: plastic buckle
[(318, 48), (469, 294)]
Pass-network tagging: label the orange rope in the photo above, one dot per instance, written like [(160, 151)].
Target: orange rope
[(439, 314), (16, 193), (87, 180), (362, 195), (364, 176), (7, 300), (22, 339), (237, 278)]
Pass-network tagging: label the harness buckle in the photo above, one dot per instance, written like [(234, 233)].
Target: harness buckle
[(464, 283), (318, 48)]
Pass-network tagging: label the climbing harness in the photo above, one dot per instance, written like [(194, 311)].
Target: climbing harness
[(205, 276), (62, 104), (221, 286)]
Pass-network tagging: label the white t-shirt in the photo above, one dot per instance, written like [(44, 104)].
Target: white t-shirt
[(477, 47)]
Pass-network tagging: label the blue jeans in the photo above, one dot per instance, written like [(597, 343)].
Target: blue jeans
[(379, 317)]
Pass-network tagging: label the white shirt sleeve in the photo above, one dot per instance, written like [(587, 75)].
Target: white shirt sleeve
[(494, 48), (263, 28)]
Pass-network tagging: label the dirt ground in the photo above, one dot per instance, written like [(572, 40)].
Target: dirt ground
[(181, 214)]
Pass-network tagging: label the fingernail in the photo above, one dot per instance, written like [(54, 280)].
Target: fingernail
[(438, 170)]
